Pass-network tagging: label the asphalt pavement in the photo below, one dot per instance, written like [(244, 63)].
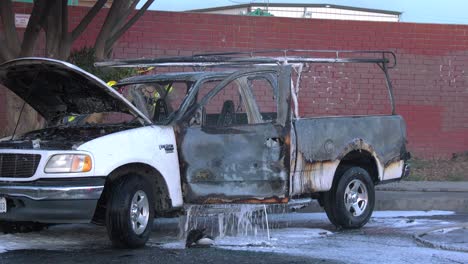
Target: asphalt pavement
[(449, 238), (425, 196), (292, 238), (152, 255), (305, 236)]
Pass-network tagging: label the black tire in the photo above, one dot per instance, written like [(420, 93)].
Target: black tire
[(334, 200), (118, 213)]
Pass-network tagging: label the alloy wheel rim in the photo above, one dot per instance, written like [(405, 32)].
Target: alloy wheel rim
[(356, 197), (139, 212)]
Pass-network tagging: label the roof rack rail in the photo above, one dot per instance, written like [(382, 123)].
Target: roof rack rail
[(385, 59)]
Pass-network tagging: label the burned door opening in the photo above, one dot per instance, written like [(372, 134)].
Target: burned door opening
[(238, 154)]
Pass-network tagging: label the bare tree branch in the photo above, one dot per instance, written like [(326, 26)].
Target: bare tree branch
[(52, 17), (110, 42), (125, 13), (64, 17), (8, 19), (87, 19), (64, 46), (52, 29), (112, 17), (38, 17)]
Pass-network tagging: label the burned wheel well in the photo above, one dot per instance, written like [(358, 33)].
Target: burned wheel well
[(361, 158), (160, 191)]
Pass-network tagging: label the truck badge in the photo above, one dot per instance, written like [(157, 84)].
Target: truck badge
[(168, 147)]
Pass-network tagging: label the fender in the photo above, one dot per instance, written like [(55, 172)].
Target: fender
[(151, 145), (318, 175)]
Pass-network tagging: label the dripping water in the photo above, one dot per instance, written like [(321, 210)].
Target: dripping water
[(234, 220)]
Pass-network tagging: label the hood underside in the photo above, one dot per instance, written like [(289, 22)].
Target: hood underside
[(56, 89)]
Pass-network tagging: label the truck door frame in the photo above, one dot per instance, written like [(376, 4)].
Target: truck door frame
[(277, 133)]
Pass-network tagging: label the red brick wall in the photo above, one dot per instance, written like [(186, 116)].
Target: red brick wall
[(430, 80)]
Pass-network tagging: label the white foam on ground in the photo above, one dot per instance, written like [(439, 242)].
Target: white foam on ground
[(312, 217), (389, 214), (386, 239)]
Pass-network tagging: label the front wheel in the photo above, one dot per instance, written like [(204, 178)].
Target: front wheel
[(130, 212), (350, 202)]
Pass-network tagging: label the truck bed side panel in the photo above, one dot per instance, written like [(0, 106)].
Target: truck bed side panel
[(320, 143)]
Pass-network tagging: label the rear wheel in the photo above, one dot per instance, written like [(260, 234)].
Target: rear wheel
[(350, 202), (130, 212)]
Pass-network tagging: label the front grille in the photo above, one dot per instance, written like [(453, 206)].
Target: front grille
[(18, 165)]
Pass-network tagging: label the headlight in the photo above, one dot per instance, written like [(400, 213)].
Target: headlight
[(68, 163)]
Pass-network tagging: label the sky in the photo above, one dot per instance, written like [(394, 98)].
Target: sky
[(419, 11)]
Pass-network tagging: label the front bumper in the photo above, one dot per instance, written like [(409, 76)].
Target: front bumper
[(71, 200)]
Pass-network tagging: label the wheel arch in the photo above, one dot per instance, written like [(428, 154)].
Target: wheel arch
[(159, 186), (364, 158)]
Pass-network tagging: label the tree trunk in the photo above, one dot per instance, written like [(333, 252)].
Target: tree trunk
[(52, 17), (36, 22), (30, 119), (58, 40), (11, 42), (112, 17)]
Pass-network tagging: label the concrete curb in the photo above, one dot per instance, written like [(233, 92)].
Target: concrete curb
[(424, 201), (423, 195), (424, 186), (412, 201), (446, 246)]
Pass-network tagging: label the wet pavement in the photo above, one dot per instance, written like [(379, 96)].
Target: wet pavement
[(152, 255), (449, 238), (290, 238)]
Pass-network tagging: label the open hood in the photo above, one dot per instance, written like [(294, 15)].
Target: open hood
[(56, 88)]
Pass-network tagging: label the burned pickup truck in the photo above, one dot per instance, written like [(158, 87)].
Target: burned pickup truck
[(228, 130)]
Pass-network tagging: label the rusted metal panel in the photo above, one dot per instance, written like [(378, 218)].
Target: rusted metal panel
[(239, 163), (322, 139), (393, 170), (234, 164), (310, 177), (320, 144), (271, 200)]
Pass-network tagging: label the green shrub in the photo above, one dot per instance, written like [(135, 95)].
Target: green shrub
[(85, 59)]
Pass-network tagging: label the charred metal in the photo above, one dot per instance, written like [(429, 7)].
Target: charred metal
[(230, 151), (287, 157)]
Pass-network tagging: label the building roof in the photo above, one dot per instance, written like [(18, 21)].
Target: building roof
[(296, 5)]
